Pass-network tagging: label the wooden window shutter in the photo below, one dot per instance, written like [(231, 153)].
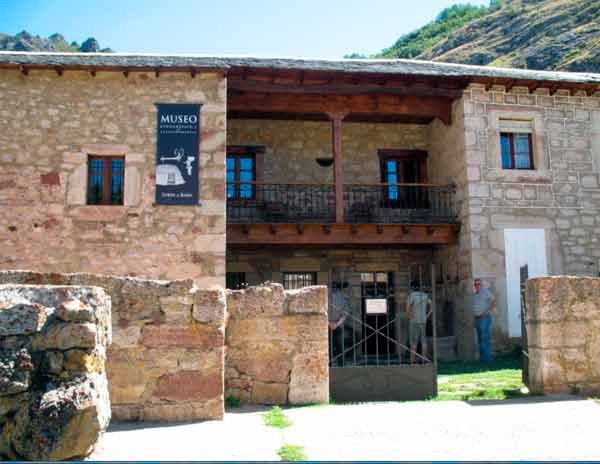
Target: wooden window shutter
[(259, 160)]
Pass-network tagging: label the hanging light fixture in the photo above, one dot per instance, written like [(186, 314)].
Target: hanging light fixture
[(324, 162)]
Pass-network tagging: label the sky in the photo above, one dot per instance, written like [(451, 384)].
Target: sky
[(302, 28)]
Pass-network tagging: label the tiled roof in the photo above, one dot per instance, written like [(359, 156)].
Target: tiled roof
[(397, 67)]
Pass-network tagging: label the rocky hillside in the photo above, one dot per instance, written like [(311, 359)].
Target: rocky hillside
[(26, 42), (533, 34)]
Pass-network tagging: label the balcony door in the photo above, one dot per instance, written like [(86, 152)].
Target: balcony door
[(402, 167), (244, 168)]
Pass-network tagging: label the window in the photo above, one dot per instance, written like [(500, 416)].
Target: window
[(516, 149), (240, 168), (294, 280), (235, 280), (105, 180)]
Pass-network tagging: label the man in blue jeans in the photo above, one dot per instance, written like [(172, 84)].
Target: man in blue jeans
[(483, 305)]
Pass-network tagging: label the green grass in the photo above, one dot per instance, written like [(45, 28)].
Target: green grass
[(276, 418), (291, 453), (478, 381)]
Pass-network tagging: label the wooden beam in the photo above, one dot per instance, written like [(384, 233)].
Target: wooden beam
[(433, 107), (341, 234), (343, 88), (338, 170)]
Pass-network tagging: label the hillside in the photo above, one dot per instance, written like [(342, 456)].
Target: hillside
[(532, 34), (26, 42)]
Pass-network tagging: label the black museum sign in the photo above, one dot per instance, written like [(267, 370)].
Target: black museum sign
[(177, 141)]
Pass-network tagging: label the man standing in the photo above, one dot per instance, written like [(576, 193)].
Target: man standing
[(418, 310), (484, 303)]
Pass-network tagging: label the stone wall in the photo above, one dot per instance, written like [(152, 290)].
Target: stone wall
[(561, 195), (54, 401), (277, 349), (166, 359), (50, 123), (292, 146), (563, 331)]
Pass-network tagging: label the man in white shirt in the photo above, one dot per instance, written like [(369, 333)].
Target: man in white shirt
[(418, 309)]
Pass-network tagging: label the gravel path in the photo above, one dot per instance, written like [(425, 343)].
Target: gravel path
[(559, 428)]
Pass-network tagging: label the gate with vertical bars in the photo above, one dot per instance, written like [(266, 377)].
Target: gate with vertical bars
[(370, 356)]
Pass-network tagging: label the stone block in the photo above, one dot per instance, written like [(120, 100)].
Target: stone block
[(189, 386), (269, 393), (22, 319), (191, 336), (309, 379), (254, 301), (307, 300), (67, 336), (209, 306), (126, 337)]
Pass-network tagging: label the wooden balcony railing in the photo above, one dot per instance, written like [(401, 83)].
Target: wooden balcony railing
[(258, 202)]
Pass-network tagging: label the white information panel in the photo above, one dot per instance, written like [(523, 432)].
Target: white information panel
[(376, 306)]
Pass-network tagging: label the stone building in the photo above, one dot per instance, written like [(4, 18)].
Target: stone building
[(361, 174)]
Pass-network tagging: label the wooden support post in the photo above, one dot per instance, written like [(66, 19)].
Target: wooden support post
[(434, 327), (338, 171)]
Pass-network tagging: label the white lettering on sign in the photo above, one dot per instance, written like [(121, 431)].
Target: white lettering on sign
[(178, 119), (376, 306)]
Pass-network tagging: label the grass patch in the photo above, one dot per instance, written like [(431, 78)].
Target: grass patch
[(596, 399), (479, 381), (291, 453), (232, 402), (276, 418)]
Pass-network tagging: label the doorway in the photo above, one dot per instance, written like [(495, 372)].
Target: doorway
[(522, 247)]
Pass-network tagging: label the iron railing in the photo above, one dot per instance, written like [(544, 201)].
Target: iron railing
[(399, 204), (257, 202)]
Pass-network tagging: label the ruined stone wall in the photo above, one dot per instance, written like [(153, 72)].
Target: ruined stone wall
[(563, 331), (166, 359), (292, 146), (54, 401), (277, 350), (561, 195), (49, 124)]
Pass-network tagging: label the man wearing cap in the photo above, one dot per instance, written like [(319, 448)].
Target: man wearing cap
[(484, 303)]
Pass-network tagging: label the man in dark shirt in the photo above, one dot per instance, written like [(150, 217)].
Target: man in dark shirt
[(484, 303)]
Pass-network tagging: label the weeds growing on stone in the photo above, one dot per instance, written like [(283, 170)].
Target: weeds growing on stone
[(232, 402), (276, 418), (291, 453)]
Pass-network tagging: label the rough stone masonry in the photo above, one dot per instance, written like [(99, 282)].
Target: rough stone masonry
[(563, 332), (166, 361), (277, 345), (54, 401)]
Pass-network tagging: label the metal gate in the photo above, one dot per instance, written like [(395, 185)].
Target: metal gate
[(370, 356), (524, 275)]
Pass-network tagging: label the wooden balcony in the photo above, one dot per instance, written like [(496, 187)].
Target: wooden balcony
[(260, 213)]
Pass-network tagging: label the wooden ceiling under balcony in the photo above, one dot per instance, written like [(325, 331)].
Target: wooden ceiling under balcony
[(313, 95)]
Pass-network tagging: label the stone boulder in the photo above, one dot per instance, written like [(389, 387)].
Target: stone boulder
[(54, 401)]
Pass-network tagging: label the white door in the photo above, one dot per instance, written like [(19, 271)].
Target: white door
[(522, 247)]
